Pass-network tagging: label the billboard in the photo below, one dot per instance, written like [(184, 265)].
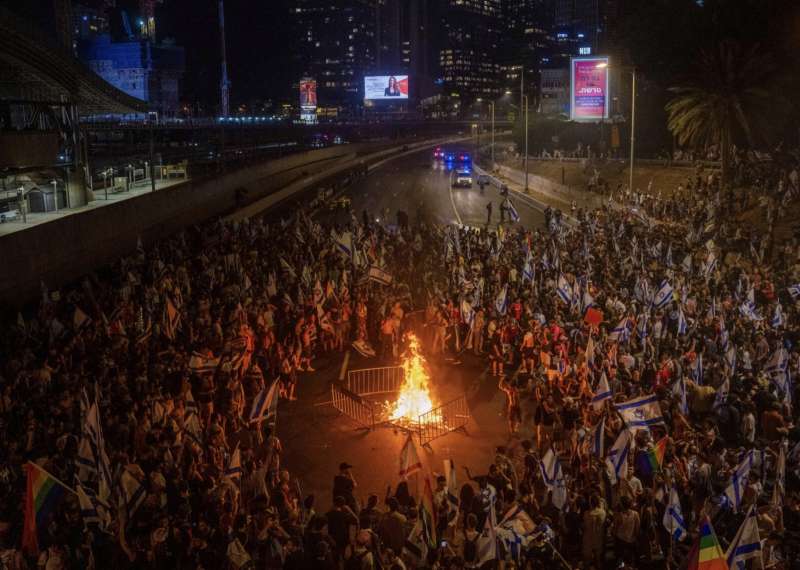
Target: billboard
[(386, 87), (308, 94), (589, 89)]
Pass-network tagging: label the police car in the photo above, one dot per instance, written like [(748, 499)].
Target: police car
[(462, 179)]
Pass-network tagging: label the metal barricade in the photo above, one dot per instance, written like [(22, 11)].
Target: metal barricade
[(353, 407), (371, 381), (440, 421)]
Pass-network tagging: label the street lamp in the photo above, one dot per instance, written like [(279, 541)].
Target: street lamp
[(55, 193), (525, 110), (605, 65)]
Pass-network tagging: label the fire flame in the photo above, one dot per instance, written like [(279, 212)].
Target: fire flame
[(414, 399)]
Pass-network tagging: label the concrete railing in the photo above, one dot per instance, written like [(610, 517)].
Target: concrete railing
[(62, 250)]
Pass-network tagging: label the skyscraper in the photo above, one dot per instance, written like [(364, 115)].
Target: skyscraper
[(335, 43), (469, 60)]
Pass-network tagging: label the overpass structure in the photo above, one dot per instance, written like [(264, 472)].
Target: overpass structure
[(44, 90)]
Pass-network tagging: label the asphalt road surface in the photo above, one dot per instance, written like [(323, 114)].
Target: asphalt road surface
[(317, 438)]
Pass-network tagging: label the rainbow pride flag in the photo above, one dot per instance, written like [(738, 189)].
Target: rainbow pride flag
[(707, 553), (651, 460), (44, 493)]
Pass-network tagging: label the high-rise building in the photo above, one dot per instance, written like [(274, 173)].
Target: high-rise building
[(406, 42), (129, 55), (469, 58), (335, 44)]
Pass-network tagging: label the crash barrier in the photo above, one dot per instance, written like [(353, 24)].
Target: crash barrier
[(353, 406), (373, 381), (352, 400), (440, 421)]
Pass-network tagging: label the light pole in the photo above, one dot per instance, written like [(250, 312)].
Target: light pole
[(491, 104), (525, 110), (55, 193), (633, 117)]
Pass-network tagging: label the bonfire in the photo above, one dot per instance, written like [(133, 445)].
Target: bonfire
[(414, 399)]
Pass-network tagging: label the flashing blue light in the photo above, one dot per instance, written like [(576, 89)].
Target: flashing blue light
[(85, 18)]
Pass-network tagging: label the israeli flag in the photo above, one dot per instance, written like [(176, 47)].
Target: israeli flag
[(778, 369), (641, 412), (617, 459), (554, 478), (777, 320), (234, 469), (710, 264), (696, 371), (679, 390), (601, 393), (564, 290), (738, 482), (501, 301), (641, 326), (527, 269), (512, 211), (730, 358), (746, 544), (344, 242), (598, 437), (794, 291), (673, 517), (748, 311), (620, 333), (683, 326), (265, 404), (663, 296), (686, 264), (722, 393)]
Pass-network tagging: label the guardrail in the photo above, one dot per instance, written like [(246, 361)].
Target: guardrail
[(447, 418), (373, 381), (353, 407)]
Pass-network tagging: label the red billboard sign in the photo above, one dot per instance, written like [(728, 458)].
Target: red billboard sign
[(589, 89), (308, 94)]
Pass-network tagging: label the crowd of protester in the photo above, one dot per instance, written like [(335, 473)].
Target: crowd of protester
[(159, 360)]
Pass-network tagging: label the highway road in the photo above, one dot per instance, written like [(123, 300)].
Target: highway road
[(316, 437), (421, 186)]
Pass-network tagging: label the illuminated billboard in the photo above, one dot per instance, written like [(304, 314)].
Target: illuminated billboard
[(589, 89), (308, 94), (386, 87)]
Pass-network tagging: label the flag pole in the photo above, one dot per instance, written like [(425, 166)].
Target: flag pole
[(53, 477)]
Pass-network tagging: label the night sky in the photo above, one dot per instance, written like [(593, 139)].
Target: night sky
[(257, 38)]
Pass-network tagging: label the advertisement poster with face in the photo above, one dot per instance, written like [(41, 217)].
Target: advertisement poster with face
[(386, 87), (589, 89)]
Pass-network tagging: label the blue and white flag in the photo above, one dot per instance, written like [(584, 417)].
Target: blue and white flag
[(344, 243), (617, 459), (738, 481), (722, 393), (679, 389), (730, 358), (93, 509), (794, 291), (564, 290), (528, 268), (597, 441), (777, 319), (748, 311), (621, 332), (265, 405), (515, 530), (487, 541), (778, 369), (746, 544), (663, 296), (501, 301), (710, 264), (234, 469), (686, 264), (512, 211), (673, 517), (642, 326), (554, 478), (641, 412), (683, 326), (601, 393), (451, 482), (696, 371), (131, 493)]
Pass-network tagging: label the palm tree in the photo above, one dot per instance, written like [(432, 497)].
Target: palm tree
[(729, 98)]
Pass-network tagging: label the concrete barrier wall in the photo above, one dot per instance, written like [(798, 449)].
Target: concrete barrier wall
[(62, 250)]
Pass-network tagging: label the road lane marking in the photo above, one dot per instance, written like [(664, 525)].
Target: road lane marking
[(453, 202)]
